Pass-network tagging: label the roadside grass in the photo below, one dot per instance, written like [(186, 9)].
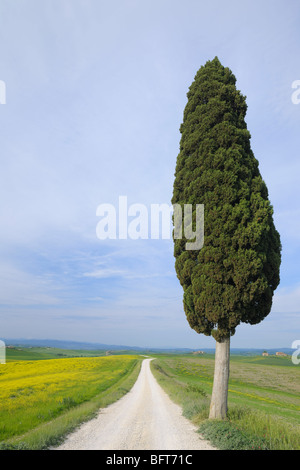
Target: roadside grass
[(263, 401), (46, 423)]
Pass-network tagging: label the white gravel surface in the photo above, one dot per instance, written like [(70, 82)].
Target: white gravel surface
[(143, 419)]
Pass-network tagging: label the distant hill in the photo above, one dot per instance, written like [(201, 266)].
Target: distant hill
[(53, 343), (76, 345)]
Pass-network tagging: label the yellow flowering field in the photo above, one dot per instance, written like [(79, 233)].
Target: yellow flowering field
[(34, 392)]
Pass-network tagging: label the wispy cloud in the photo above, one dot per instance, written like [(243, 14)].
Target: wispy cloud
[(22, 288), (105, 273), (287, 299)]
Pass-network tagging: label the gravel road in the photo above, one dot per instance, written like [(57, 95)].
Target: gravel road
[(143, 419)]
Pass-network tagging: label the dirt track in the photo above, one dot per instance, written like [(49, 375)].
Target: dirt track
[(144, 419)]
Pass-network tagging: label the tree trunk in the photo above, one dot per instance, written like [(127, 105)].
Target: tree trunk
[(218, 405)]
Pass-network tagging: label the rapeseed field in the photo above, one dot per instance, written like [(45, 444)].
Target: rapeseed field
[(35, 392)]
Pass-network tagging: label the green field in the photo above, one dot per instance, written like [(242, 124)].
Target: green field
[(38, 354), (19, 353), (43, 399), (263, 395)]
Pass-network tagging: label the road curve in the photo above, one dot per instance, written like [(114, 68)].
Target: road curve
[(143, 419)]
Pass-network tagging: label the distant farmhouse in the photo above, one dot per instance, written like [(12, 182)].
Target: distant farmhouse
[(278, 353), (198, 352)]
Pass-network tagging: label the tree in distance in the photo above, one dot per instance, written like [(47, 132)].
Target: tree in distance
[(232, 278)]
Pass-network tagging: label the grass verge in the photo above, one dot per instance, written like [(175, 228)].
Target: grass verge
[(246, 428)]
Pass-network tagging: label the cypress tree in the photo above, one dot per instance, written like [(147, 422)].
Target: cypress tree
[(233, 277)]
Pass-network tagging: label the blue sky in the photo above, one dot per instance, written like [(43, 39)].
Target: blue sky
[(95, 93)]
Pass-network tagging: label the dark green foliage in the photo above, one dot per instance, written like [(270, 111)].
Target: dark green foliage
[(233, 277)]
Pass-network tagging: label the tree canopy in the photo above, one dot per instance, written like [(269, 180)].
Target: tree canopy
[(233, 277)]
